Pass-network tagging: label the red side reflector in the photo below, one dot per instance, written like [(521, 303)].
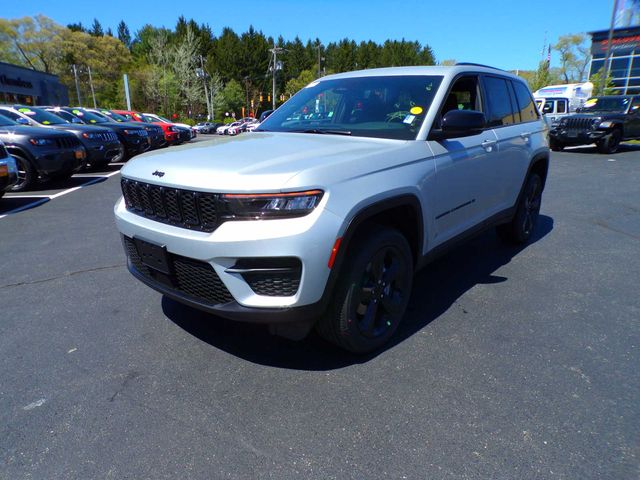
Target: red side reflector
[(334, 252)]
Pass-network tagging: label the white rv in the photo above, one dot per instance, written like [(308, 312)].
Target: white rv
[(557, 101)]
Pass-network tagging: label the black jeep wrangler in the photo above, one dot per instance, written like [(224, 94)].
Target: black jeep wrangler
[(605, 121)]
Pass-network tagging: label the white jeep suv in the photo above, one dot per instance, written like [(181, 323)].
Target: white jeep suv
[(322, 216)]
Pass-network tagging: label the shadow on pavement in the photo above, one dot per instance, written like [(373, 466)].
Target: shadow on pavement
[(15, 205), (60, 185), (435, 289)]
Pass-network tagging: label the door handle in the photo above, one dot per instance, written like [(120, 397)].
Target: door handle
[(525, 136), (489, 144)]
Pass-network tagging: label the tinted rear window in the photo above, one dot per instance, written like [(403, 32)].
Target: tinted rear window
[(528, 112), (500, 110)]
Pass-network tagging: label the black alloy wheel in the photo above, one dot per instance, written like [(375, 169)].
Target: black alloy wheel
[(520, 229), (26, 174), (610, 143), (372, 292)]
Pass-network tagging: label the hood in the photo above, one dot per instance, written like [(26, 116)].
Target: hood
[(32, 132), (79, 128), (268, 161), (601, 115)]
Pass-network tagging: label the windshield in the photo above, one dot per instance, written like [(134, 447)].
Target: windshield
[(148, 119), (383, 107), (42, 116), (115, 116), (89, 117), (6, 122), (607, 104)]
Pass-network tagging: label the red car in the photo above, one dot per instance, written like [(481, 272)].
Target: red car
[(171, 132)]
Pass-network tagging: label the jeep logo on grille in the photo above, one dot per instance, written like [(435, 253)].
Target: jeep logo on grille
[(158, 173)]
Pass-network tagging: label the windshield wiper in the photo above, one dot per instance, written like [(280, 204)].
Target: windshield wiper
[(319, 131)]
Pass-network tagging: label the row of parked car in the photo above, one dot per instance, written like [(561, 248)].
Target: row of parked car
[(53, 143), (247, 124)]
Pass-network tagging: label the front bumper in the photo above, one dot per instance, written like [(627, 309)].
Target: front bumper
[(103, 153), (576, 137), (59, 161), (8, 173), (309, 239)]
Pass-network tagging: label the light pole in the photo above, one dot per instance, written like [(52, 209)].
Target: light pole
[(93, 93), (75, 75), (275, 66)]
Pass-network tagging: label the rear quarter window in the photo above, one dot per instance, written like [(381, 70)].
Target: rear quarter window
[(528, 111)]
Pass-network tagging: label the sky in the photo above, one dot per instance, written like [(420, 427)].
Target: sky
[(508, 34)]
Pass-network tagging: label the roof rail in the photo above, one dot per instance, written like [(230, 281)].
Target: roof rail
[(470, 64)]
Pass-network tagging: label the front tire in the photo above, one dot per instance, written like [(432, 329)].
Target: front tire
[(520, 229), (372, 292), (555, 145), (610, 143), (26, 174)]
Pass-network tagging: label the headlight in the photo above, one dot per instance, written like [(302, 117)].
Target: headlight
[(605, 124), (90, 136), (41, 142), (172, 129), (271, 205)]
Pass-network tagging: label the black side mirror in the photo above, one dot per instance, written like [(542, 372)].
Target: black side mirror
[(460, 123)]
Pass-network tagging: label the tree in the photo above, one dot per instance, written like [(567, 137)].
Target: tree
[(76, 27), (574, 57), (301, 81), (185, 63), (603, 85), (96, 29), (232, 97), (124, 35), (31, 41)]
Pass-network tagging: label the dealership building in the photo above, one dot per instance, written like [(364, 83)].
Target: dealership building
[(30, 87)]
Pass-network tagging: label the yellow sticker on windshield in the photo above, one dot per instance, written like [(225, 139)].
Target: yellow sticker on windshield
[(591, 102), (416, 110), (46, 122)]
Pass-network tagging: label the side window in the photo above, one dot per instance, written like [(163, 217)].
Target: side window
[(464, 95), (562, 106), (10, 114), (528, 112), (548, 107), (499, 100)]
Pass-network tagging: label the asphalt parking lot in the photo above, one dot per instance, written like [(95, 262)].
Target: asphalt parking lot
[(511, 363)]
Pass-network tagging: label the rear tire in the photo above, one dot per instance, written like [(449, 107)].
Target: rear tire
[(520, 229), (372, 292), (26, 174), (611, 142)]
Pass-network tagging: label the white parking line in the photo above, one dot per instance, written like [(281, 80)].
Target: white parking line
[(45, 198)]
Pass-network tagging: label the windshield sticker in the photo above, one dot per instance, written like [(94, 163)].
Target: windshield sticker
[(46, 122), (416, 110), (77, 112), (409, 119), (591, 102), (92, 121), (26, 111)]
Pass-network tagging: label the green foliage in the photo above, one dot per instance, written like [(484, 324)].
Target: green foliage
[(603, 85), (296, 84), (232, 98), (574, 57)]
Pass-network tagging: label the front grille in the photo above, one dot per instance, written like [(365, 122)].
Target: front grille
[(274, 284), (578, 123), (108, 136), (67, 142), (180, 208), (190, 278)]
